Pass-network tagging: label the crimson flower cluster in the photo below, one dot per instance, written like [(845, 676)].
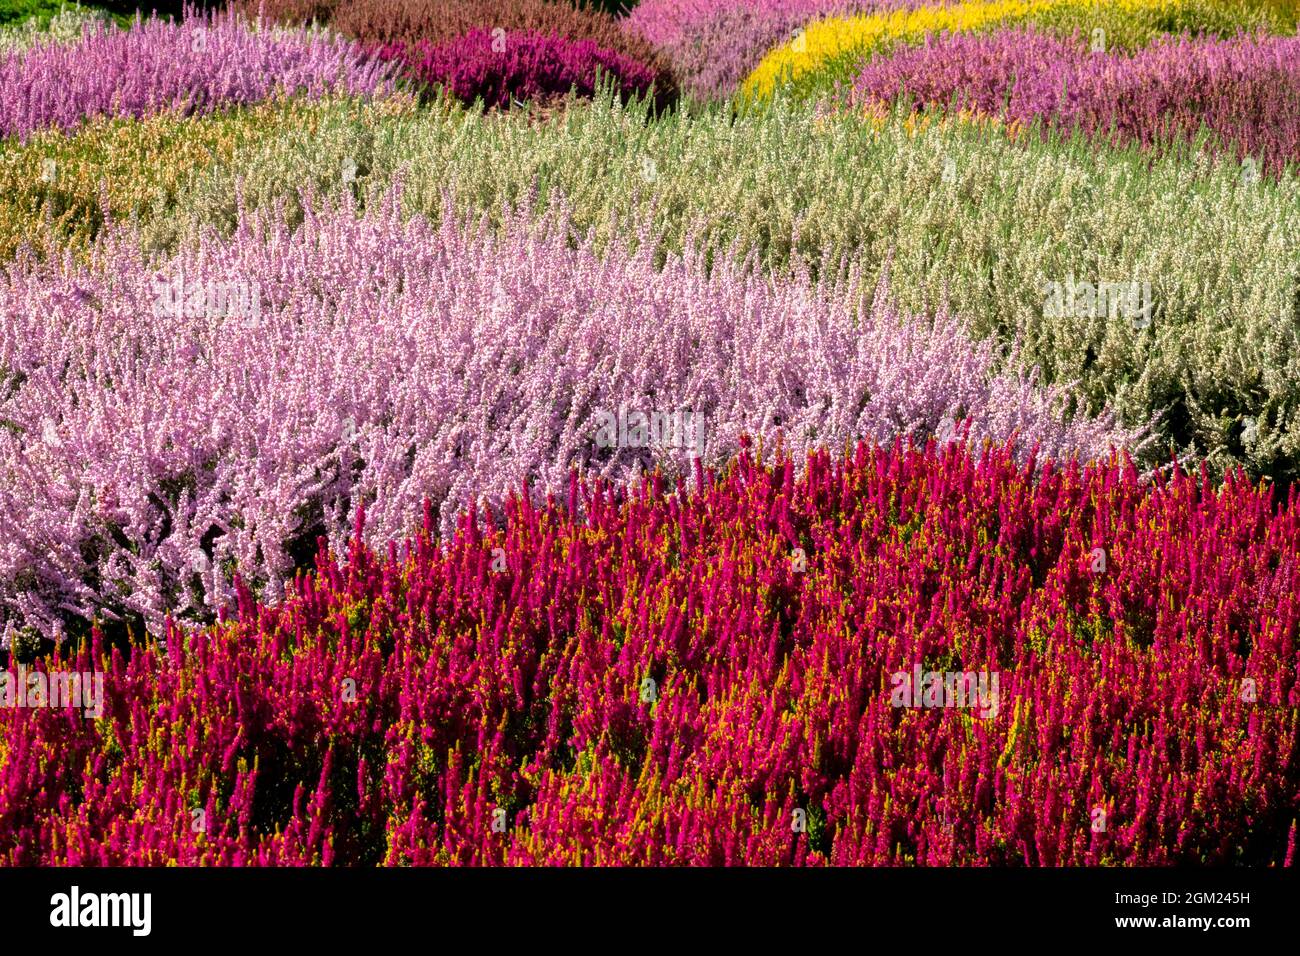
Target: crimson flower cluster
[(636, 676)]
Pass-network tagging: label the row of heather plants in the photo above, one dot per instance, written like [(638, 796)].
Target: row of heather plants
[(715, 45), (825, 53), (172, 424), (645, 675), (1245, 92), (961, 217), (84, 64), (782, 432), (503, 53), (495, 52)]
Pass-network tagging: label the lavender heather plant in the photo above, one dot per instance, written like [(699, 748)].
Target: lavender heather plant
[(713, 44), (150, 454), (518, 67), (1245, 91), (203, 64)]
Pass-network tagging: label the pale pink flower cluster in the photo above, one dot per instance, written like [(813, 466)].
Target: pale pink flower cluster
[(152, 448)]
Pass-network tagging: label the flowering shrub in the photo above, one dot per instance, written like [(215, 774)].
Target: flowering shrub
[(830, 51), (717, 485), (521, 67), (715, 678), (713, 44), (942, 204), (65, 26), (1245, 91), (57, 192), (168, 424), (198, 66), (439, 22), (1019, 69)]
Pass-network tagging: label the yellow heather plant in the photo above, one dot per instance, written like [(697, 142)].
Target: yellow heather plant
[(827, 50), (55, 189), (825, 42)]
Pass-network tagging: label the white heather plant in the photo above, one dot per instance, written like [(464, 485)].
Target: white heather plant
[(66, 26), (147, 455), (1220, 252)]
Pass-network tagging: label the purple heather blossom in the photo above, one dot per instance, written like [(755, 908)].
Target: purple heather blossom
[(1245, 91), (713, 44), (200, 65)]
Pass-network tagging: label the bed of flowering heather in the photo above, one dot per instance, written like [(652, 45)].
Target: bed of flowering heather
[(825, 53), (628, 677), (509, 432), (1243, 92), (197, 428), (539, 42), (504, 69), (196, 67)]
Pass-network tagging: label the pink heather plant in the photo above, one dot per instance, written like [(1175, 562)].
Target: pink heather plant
[(661, 684), (147, 457), (714, 44), (1245, 91), (197, 66), (519, 66)]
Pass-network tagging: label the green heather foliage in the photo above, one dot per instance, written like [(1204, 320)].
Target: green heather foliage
[(52, 191), (14, 12), (64, 25), (956, 211)]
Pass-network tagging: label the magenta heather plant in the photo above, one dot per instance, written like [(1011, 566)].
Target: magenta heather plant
[(1244, 91), (1022, 70), (665, 683), (170, 423), (197, 66), (502, 68), (714, 44)]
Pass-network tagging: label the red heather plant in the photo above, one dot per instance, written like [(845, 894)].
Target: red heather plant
[(168, 423), (1245, 91), (197, 66), (408, 22), (665, 683), (285, 11), (519, 67)]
